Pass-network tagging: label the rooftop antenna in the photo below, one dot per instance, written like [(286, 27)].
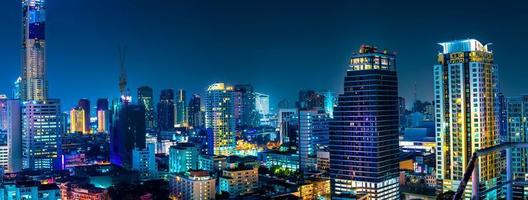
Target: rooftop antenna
[(122, 75)]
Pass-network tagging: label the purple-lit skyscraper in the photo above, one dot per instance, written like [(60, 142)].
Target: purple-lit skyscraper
[(364, 150)]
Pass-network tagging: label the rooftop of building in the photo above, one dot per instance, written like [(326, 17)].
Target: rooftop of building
[(464, 45)]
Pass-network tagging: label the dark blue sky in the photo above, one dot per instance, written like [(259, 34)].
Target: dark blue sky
[(278, 46)]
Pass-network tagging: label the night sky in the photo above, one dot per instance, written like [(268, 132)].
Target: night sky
[(278, 46)]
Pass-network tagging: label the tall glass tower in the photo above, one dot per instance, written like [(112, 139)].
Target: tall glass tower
[(465, 81), (145, 97), (363, 136), (34, 85)]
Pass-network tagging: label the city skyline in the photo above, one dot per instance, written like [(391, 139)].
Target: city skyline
[(315, 42)]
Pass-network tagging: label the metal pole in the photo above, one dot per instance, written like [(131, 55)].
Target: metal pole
[(509, 195), (475, 180)]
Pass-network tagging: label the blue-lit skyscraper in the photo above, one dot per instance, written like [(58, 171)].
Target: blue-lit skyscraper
[(181, 109), (128, 133), (145, 97), (166, 110), (364, 150), (34, 85)]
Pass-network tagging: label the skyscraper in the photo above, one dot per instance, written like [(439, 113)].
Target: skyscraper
[(14, 135), (196, 115), (245, 112), (219, 119), (41, 134), (34, 85), (309, 99), (128, 133), (465, 81), (166, 110), (146, 99), (77, 121), (262, 103), (517, 131), (364, 148), (103, 116), (181, 109), (313, 136), (84, 104), (329, 102)]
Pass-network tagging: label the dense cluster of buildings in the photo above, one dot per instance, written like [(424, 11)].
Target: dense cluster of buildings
[(364, 143)]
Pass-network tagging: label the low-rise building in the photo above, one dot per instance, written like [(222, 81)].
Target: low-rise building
[(239, 181), (193, 185)]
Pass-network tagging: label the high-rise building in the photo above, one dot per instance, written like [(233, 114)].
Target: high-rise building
[(166, 110), (288, 125), (145, 97), (517, 113), (34, 85), (85, 105), (309, 100), (329, 102), (245, 111), (14, 135), (364, 149), (41, 134), (128, 133), (219, 119), (262, 104), (196, 115), (17, 88), (103, 116), (465, 81), (181, 109), (313, 135), (77, 121), (183, 157)]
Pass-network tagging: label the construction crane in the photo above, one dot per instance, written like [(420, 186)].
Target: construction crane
[(122, 75)]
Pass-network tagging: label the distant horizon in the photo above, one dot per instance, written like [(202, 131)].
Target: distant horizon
[(278, 47)]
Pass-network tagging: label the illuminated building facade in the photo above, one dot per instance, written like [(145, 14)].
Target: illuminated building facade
[(34, 85), (313, 135), (193, 185), (517, 131), (166, 110), (103, 116), (181, 109), (77, 121), (128, 133), (41, 134), (14, 135), (239, 181), (85, 105), (144, 161), (329, 102), (145, 97), (262, 103), (288, 125), (183, 157), (219, 119), (195, 113), (245, 111), (364, 133), (465, 81)]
